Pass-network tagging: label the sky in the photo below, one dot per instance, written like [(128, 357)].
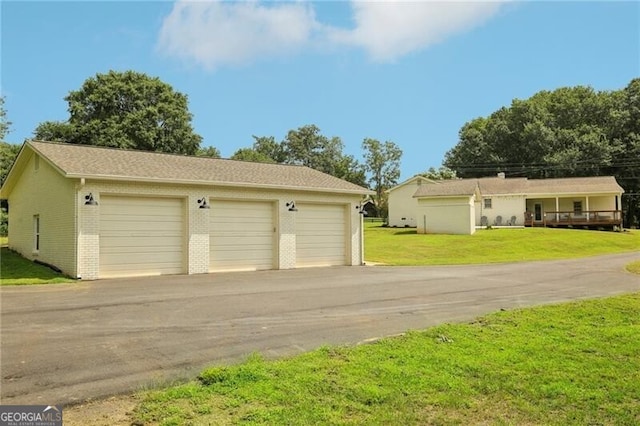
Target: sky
[(411, 72)]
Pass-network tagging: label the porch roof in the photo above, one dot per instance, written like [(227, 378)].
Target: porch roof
[(579, 185)]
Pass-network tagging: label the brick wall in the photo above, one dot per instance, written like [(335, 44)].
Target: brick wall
[(197, 232), (42, 191)]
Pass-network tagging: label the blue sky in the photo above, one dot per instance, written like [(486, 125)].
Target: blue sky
[(410, 72)]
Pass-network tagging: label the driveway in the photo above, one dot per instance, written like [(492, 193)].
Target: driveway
[(73, 342)]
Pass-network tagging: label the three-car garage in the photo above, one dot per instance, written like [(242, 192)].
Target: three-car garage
[(148, 235)]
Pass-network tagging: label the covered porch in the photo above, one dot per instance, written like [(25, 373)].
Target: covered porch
[(591, 211)]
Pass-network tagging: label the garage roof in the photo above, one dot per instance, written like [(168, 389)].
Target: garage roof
[(84, 161)]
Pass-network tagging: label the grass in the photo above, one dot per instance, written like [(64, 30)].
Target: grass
[(16, 270), (634, 267), (576, 363), (398, 246)]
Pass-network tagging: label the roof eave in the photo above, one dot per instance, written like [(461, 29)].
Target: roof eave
[(568, 193), (408, 181), (445, 196), (218, 183)]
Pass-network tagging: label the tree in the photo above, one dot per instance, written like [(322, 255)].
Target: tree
[(308, 147), (209, 151), (570, 131), (250, 154), (267, 147), (126, 110), (5, 125), (8, 154), (442, 173), (55, 131), (382, 162)]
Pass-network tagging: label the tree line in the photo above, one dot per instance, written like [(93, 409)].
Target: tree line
[(571, 131), (130, 110), (568, 132)]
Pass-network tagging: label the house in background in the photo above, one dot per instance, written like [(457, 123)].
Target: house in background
[(447, 207), (402, 205), (99, 212), (460, 206)]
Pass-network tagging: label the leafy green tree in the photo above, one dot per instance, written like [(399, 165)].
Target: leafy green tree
[(571, 131), (55, 131), (349, 169), (8, 154), (250, 154), (308, 147), (209, 151), (441, 173), (126, 110), (5, 125), (382, 162), (267, 146)]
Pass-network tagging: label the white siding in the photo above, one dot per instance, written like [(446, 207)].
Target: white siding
[(446, 215), (403, 207), (242, 235), (141, 236), (320, 235), (505, 206)]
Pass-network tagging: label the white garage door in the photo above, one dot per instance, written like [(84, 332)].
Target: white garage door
[(141, 236), (320, 235), (242, 235)]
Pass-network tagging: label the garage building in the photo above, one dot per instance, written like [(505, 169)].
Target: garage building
[(98, 212)]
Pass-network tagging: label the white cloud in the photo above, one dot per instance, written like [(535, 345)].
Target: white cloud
[(218, 33), (390, 29)]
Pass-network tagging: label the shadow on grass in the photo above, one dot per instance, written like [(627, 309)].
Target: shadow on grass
[(407, 232), (16, 270)]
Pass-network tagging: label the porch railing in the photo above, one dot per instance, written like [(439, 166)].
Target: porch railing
[(583, 218)]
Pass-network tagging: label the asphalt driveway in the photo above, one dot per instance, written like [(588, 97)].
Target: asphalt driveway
[(73, 342)]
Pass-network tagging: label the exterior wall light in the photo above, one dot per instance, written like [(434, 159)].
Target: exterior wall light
[(292, 206), (89, 201), (203, 203)]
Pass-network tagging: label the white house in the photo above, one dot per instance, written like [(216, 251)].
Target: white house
[(99, 212), (402, 205), (460, 206)]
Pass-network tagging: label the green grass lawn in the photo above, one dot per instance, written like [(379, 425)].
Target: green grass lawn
[(397, 246), (576, 363), (16, 270), (634, 267)]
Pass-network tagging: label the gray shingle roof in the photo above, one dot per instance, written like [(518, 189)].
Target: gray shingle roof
[(574, 185), (502, 186), (466, 187), (521, 186), (108, 163)]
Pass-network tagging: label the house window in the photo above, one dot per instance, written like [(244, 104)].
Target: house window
[(36, 233), (577, 207), (487, 203)]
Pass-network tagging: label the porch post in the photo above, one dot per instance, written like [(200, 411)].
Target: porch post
[(557, 209), (587, 206)]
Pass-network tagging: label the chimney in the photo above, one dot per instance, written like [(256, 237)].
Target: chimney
[(501, 175)]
